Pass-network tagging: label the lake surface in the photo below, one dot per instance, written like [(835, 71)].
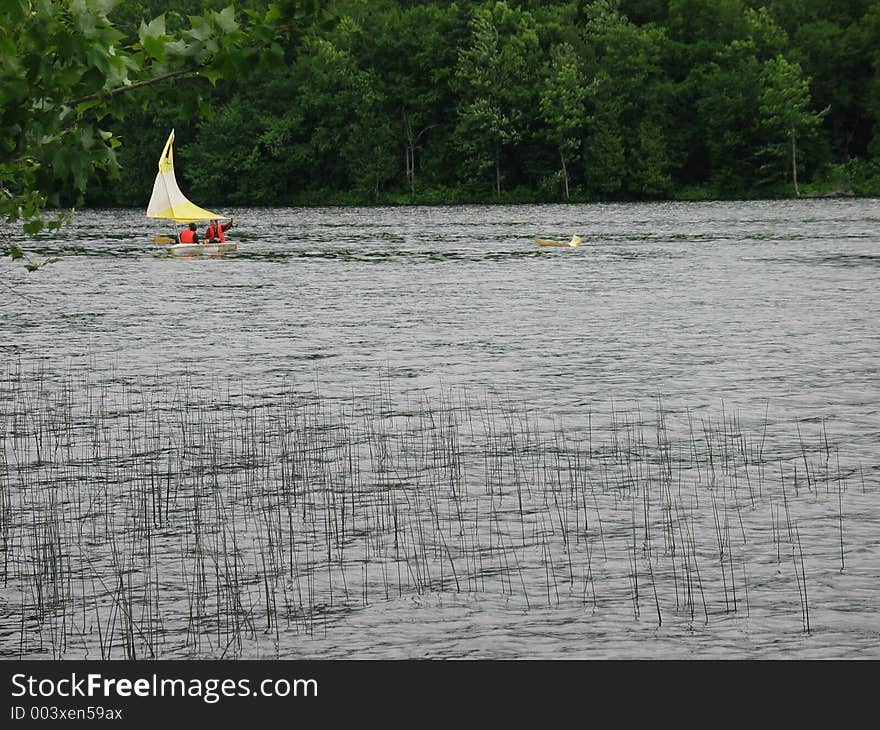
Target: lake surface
[(661, 443)]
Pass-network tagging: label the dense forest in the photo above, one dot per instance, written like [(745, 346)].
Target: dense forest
[(398, 101)]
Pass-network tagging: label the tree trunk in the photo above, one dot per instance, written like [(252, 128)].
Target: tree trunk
[(797, 191), (411, 140), (409, 164), (410, 154), (564, 173)]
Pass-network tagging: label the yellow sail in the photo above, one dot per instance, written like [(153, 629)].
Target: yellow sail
[(167, 201)]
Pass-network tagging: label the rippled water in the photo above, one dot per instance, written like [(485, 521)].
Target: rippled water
[(764, 313)]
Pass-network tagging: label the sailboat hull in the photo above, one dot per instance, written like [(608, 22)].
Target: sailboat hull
[(200, 249)]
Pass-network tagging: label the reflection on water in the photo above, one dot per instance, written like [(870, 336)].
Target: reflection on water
[(750, 323)]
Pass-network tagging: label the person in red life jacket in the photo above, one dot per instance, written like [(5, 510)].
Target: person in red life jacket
[(189, 235), (217, 233)]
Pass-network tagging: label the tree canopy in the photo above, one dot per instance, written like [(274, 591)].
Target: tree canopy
[(71, 77), (436, 101)]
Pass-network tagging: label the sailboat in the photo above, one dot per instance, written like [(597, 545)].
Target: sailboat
[(169, 203)]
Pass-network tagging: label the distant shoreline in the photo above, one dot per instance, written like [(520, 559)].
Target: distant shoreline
[(390, 201)]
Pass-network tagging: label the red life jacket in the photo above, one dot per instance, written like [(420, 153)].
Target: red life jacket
[(188, 236), (215, 232)]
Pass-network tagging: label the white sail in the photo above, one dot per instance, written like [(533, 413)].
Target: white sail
[(167, 201)]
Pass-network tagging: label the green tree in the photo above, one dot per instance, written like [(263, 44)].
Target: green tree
[(67, 73), (611, 98), (626, 95), (650, 162), (871, 24), (483, 130), (319, 124), (342, 130), (412, 53), (563, 108), (224, 162), (498, 73), (605, 154), (784, 103), (836, 59), (706, 24), (768, 37), (725, 129)]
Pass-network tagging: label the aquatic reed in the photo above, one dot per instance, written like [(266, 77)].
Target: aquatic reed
[(164, 517)]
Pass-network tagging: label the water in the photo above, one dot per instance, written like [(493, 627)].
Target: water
[(760, 311)]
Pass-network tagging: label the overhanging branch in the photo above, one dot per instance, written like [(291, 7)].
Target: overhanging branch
[(131, 87)]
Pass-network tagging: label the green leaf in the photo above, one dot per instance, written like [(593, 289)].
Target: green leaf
[(15, 251), (226, 19), (155, 47), (32, 227), (156, 29), (212, 75), (84, 106), (201, 29), (179, 48)]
